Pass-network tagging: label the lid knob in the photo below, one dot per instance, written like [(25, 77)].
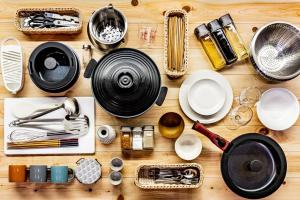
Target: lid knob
[(255, 165), (125, 80), (50, 63)]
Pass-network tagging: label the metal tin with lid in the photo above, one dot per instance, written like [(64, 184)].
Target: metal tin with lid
[(88, 171)]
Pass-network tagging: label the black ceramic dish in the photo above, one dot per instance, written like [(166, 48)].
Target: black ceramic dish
[(253, 165), (53, 67), (126, 82)]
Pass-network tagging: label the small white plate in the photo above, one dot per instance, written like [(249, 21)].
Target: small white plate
[(183, 96), (206, 96), (278, 109), (188, 146)]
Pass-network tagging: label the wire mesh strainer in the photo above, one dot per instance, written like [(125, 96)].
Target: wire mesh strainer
[(275, 51)]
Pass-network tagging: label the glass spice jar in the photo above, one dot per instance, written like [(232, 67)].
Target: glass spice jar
[(233, 36), (210, 47)]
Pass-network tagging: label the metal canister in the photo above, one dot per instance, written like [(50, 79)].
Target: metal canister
[(107, 28)]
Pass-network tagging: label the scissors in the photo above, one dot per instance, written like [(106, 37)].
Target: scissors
[(43, 21)]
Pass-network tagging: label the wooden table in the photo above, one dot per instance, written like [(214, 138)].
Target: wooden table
[(247, 17)]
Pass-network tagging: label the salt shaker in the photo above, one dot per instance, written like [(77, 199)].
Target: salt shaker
[(137, 139)]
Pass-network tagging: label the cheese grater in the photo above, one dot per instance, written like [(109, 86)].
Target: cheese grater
[(12, 65)]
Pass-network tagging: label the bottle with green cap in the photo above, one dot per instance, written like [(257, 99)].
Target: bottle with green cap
[(210, 47), (233, 37)]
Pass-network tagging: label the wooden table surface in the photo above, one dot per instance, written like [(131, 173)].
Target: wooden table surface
[(247, 15)]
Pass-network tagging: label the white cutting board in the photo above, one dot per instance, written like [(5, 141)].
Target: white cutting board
[(86, 142)]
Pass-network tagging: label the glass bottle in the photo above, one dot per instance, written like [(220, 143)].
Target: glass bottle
[(222, 41), (233, 37), (210, 47)]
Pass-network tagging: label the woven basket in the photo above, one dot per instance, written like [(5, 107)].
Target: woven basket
[(25, 12), (142, 179), (182, 71)]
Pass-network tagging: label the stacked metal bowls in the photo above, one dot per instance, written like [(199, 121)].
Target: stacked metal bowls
[(275, 51)]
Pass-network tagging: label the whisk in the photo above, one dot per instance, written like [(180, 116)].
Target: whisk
[(73, 127), (27, 135)]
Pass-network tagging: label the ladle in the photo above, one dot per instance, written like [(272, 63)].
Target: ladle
[(70, 105)]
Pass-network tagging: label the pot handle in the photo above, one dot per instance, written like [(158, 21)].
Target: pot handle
[(216, 139), (162, 95), (90, 68)]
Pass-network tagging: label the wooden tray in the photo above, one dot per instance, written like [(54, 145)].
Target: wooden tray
[(142, 179), (25, 12)]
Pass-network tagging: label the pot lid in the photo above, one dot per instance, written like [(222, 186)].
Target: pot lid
[(126, 82), (254, 166), (53, 67)]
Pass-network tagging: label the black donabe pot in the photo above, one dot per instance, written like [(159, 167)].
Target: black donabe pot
[(126, 82), (252, 165), (54, 67)]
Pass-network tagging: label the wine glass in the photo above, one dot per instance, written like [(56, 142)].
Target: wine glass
[(239, 116)]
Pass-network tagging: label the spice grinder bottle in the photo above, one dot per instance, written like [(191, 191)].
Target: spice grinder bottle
[(233, 37), (210, 47), (222, 41)]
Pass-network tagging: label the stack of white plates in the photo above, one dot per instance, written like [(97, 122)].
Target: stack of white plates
[(206, 96)]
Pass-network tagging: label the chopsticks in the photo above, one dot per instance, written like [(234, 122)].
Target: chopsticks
[(54, 143), (176, 33)]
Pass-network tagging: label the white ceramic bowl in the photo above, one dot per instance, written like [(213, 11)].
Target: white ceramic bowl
[(278, 109), (206, 97), (188, 146)]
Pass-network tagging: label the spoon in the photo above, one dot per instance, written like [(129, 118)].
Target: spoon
[(70, 105)]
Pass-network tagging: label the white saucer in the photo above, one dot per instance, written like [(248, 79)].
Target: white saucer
[(206, 96), (278, 109), (188, 147), (184, 90)]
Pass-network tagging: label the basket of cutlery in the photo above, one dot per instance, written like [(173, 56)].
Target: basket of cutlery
[(175, 43), (48, 20), (169, 176)]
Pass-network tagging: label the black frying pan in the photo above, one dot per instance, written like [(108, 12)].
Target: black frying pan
[(252, 165)]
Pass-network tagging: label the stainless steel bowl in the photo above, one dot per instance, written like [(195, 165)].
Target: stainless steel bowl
[(275, 51)]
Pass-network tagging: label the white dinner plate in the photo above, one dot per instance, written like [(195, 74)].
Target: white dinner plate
[(184, 90), (278, 109), (206, 96)]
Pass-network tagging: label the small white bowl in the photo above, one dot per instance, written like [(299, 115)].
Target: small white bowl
[(188, 146), (206, 97), (278, 109)]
